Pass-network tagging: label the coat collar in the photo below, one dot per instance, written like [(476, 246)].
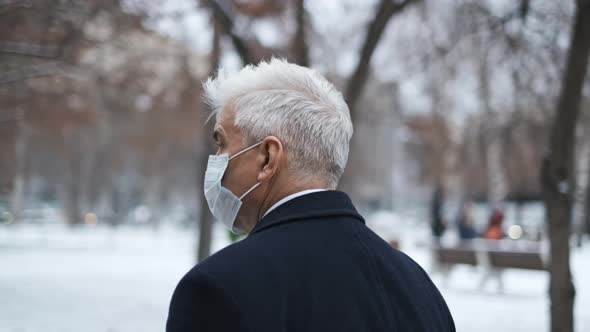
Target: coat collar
[(321, 204)]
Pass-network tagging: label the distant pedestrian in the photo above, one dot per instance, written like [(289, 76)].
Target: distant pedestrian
[(437, 224), (495, 230), (465, 222)]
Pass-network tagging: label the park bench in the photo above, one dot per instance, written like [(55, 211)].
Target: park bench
[(452, 256), (493, 257), (529, 260)]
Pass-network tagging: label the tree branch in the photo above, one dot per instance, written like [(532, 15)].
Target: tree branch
[(30, 50), (39, 70), (385, 10), (223, 16)]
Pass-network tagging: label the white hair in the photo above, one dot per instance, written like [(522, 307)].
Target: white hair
[(295, 104)]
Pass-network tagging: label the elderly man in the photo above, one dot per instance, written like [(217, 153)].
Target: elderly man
[(309, 263)]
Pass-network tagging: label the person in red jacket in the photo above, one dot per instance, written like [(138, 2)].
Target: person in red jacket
[(494, 230)]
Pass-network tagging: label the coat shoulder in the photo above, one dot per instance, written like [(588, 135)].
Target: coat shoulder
[(200, 302), (236, 256)]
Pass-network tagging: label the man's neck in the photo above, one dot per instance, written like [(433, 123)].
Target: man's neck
[(290, 197), (285, 190)]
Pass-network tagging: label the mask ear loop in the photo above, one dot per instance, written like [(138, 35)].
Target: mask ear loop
[(245, 150), (239, 153), (250, 190)]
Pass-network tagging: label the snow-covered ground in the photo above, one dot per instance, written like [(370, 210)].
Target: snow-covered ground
[(53, 279), (522, 306)]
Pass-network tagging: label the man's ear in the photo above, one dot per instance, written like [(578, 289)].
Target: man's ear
[(270, 158)]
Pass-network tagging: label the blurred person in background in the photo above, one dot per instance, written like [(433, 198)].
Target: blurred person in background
[(465, 222), (309, 262), (437, 224), (494, 231)]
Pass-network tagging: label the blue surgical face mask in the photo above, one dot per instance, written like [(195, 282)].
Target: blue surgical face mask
[(224, 205)]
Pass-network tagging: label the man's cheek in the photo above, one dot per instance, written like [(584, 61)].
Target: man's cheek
[(231, 182)]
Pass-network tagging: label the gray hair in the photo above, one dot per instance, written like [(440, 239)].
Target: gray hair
[(295, 104)]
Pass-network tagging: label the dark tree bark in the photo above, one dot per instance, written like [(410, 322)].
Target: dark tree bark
[(557, 176), (205, 218), (225, 22), (8, 135), (525, 6), (385, 10), (72, 201), (299, 50)]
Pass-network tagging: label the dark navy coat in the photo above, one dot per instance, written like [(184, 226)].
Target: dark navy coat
[(309, 265)]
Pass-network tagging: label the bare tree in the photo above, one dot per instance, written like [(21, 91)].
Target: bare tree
[(298, 49), (557, 175), (492, 137), (385, 11), (97, 92), (250, 51), (356, 83), (221, 12), (8, 131)]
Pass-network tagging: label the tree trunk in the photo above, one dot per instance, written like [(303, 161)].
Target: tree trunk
[(205, 228), (8, 136), (21, 147), (492, 138), (205, 217), (72, 201), (299, 49), (557, 175), (385, 11)]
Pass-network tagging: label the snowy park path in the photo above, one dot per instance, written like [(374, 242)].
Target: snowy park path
[(100, 280)]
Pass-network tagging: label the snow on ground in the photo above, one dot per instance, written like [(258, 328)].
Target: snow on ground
[(522, 306), (53, 279), (58, 280)]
